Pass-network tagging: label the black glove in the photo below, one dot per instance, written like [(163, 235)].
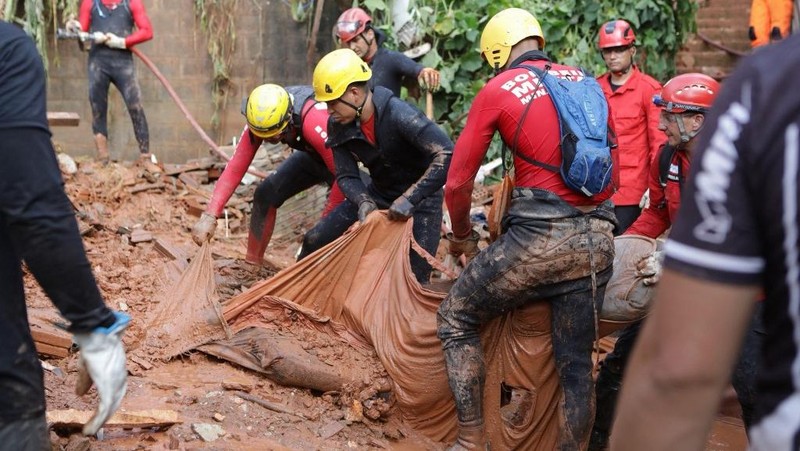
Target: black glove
[(401, 209), (365, 207), (775, 34)]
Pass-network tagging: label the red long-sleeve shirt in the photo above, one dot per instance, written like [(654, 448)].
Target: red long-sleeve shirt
[(498, 107), (143, 32), (635, 120), (664, 201), (314, 132)]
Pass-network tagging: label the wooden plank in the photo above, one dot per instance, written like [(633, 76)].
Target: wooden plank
[(193, 207), (169, 249), (50, 350), (145, 187), (72, 418), (188, 180), (175, 169), (49, 334), (63, 119)]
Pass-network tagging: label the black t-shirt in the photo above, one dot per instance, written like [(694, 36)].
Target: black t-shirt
[(740, 220), (22, 103), (390, 67)]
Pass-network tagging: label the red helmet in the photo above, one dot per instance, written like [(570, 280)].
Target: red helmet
[(688, 92), (616, 33), (352, 23)]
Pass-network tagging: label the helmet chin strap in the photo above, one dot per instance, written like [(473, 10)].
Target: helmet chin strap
[(359, 109), (686, 136), (623, 71)]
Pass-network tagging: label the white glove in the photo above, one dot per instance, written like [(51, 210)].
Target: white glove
[(650, 268), (102, 362), (114, 41), (96, 37), (645, 201), (73, 26)]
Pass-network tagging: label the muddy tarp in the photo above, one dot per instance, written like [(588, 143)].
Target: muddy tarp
[(627, 298), (188, 314), (361, 288)]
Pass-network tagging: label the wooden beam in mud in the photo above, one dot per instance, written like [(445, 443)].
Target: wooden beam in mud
[(71, 418)]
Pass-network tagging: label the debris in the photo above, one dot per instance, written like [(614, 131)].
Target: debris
[(72, 418), (331, 429), (218, 417), (50, 340), (208, 432), (63, 119), (355, 413), (140, 361), (66, 163), (140, 236), (78, 442), (146, 186), (170, 250), (52, 368), (275, 407), (235, 385)]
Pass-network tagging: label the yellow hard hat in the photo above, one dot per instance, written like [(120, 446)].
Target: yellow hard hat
[(336, 71), (268, 110), (504, 30)]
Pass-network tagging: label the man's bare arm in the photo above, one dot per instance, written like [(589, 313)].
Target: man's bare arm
[(682, 363)]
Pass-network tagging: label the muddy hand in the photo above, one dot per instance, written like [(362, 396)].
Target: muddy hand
[(650, 268), (204, 229), (467, 246), (429, 79), (365, 207), (401, 209), (102, 362)]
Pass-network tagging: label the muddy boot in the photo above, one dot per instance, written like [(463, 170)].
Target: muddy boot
[(101, 144), (471, 436)]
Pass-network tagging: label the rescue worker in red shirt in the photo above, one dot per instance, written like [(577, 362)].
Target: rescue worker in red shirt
[(557, 244), (110, 61), (684, 102), (630, 96), (355, 31), (275, 114), (406, 153), (770, 21)]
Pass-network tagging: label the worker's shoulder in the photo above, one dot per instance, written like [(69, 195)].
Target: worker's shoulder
[(393, 55), (649, 81)]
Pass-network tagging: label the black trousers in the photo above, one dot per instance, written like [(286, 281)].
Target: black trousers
[(547, 259), (37, 226), (106, 68)]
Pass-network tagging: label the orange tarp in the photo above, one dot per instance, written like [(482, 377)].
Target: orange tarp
[(362, 289)]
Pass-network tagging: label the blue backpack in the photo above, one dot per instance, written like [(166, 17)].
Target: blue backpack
[(582, 108)]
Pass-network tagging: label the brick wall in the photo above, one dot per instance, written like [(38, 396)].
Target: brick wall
[(725, 22), (270, 47)]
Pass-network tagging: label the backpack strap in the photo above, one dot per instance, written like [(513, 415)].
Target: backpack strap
[(540, 74), (664, 162)]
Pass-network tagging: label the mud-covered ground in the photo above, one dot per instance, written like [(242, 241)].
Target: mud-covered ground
[(115, 216)]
